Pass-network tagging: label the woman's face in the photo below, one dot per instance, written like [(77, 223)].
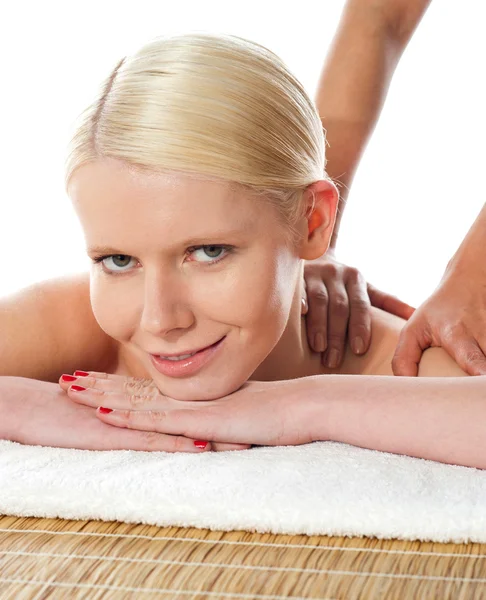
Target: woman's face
[(197, 281)]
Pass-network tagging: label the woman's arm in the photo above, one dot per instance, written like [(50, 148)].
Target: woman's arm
[(49, 328), (39, 413), (433, 418)]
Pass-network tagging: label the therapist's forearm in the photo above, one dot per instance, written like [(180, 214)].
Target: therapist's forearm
[(441, 419), (366, 49), (471, 254)]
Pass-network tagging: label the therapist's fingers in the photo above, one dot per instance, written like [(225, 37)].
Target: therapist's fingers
[(466, 349), (389, 303), (316, 314), (359, 326), (408, 352), (337, 323), (419, 333)]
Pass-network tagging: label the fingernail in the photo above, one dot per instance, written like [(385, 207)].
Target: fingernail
[(358, 345), (105, 411), (319, 343), (68, 378), (77, 388), (81, 373), (333, 359), (200, 444)]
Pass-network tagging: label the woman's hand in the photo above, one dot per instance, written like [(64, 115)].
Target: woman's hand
[(339, 302), (262, 413), (41, 414)]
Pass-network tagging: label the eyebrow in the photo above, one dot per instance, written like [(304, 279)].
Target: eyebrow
[(102, 250), (210, 238)]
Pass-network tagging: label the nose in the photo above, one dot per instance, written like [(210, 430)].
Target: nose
[(166, 307)]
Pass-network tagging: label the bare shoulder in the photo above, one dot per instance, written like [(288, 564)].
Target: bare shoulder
[(385, 332), (49, 328)]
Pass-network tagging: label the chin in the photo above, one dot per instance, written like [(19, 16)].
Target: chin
[(198, 389)]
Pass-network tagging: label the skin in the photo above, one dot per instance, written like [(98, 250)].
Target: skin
[(267, 387), (152, 217), (60, 314), (168, 300), (454, 315), (367, 47), (165, 299)]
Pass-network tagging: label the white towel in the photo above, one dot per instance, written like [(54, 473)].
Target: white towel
[(324, 488)]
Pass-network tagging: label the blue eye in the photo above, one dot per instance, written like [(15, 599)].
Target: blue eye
[(120, 261), (209, 254)]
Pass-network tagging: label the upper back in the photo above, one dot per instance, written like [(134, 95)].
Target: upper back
[(385, 333)]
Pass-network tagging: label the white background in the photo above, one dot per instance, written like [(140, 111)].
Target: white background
[(420, 183)]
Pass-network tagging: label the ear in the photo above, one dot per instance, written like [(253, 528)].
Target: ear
[(321, 201)]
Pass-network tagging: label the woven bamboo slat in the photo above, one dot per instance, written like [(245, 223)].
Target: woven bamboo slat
[(53, 558)]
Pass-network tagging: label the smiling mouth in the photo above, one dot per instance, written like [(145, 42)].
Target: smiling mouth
[(177, 357), (181, 365)]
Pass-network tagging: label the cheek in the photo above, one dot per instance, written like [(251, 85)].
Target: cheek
[(255, 294), (111, 306)]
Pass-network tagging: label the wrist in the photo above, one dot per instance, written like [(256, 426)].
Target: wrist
[(10, 410), (312, 407), (470, 256)]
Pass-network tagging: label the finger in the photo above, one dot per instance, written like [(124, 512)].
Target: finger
[(409, 351), (145, 420), (389, 303), (220, 447), (95, 397), (359, 326), (150, 441), (304, 305), (337, 323), (186, 422), (316, 318), (88, 378), (137, 386), (466, 351)]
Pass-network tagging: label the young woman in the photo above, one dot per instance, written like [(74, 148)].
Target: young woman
[(198, 178)]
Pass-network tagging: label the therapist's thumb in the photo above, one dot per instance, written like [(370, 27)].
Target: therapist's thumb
[(408, 353)]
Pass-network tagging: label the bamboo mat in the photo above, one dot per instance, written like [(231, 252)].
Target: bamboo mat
[(54, 558)]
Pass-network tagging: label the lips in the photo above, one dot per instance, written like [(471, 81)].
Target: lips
[(172, 365)]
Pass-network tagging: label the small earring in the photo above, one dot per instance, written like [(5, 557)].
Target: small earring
[(305, 307)]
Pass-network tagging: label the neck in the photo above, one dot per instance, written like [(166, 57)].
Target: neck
[(292, 357)]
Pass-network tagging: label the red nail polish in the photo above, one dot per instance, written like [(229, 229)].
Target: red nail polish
[(81, 373), (77, 388), (200, 444), (105, 411), (68, 378)]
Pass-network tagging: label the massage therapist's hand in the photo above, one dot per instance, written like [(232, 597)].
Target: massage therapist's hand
[(41, 414), (260, 413), (339, 301), (454, 317)]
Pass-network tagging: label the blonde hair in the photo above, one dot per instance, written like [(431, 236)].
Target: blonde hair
[(214, 106)]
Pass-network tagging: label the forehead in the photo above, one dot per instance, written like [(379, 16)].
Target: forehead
[(113, 199)]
